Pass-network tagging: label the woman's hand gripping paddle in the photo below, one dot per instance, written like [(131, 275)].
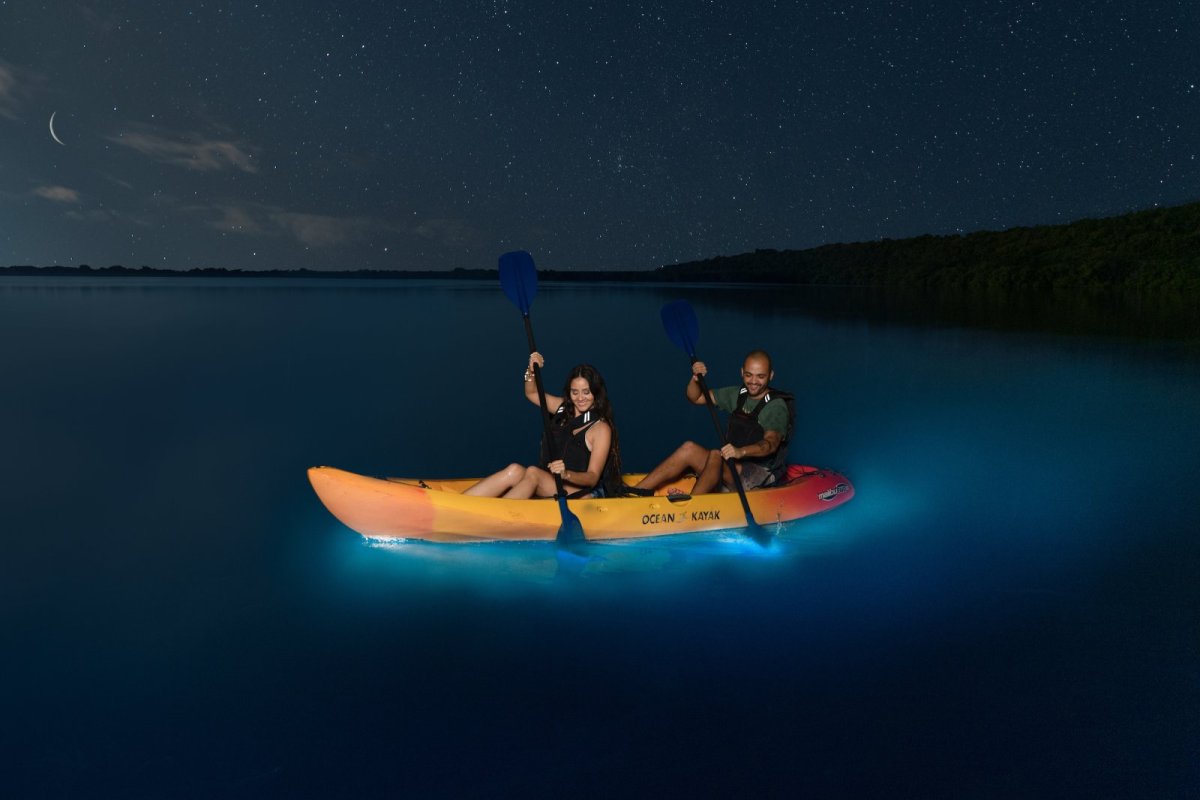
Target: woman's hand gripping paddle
[(683, 329), (518, 278)]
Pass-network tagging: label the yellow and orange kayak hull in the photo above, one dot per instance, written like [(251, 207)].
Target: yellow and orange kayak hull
[(438, 511)]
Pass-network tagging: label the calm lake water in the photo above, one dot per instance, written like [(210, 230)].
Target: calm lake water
[(1008, 608)]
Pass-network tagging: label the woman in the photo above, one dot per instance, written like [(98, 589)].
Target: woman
[(585, 441)]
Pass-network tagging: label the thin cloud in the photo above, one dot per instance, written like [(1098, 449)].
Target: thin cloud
[(124, 184), (96, 215), (235, 219), (317, 230), (10, 89), (190, 151), (448, 232), (311, 230), (60, 194), (101, 22)]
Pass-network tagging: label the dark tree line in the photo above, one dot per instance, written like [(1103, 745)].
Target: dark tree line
[(1157, 249)]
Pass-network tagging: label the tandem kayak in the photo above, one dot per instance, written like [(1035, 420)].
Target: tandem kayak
[(438, 511)]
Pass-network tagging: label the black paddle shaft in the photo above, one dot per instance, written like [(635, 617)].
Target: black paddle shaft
[(682, 327), (737, 477), (537, 378)]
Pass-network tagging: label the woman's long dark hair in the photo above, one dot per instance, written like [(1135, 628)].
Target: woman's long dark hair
[(600, 405)]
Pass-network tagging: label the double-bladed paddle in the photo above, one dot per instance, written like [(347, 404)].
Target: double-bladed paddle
[(518, 278), (682, 327)]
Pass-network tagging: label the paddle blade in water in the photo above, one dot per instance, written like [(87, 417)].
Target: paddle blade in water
[(571, 530), (681, 325), (518, 278), (757, 533)]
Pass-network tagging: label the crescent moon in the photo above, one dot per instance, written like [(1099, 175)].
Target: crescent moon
[(54, 135)]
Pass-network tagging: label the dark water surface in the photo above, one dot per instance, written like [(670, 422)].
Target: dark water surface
[(1008, 608)]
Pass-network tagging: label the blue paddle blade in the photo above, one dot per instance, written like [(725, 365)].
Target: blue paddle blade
[(679, 320), (571, 530), (518, 278)]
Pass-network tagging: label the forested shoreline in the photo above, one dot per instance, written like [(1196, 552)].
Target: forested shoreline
[(1157, 249), (1152, 250)]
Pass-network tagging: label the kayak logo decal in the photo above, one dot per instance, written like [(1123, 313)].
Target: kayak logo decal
[(682, 516), (829, 494)]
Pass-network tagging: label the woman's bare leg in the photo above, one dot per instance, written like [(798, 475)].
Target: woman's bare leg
[(535, 481), (498, 483)]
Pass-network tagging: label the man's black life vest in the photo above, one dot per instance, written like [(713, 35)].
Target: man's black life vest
[(744, 428)]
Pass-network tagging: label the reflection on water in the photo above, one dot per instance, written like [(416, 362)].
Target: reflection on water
[(981, 618), (1169, 315)]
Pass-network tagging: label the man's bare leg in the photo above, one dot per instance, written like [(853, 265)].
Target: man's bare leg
[(688, 457), (714, 471)]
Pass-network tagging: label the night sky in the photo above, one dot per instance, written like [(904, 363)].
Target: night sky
[(434, 135)]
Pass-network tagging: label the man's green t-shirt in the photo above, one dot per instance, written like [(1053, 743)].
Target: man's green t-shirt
[(773, 418)]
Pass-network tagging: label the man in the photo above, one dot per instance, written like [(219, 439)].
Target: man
[(758, 425)]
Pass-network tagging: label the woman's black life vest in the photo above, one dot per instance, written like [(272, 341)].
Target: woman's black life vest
[(569, 443), (744, 429)]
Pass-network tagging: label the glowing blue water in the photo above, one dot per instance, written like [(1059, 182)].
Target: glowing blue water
[(1008, 607)]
